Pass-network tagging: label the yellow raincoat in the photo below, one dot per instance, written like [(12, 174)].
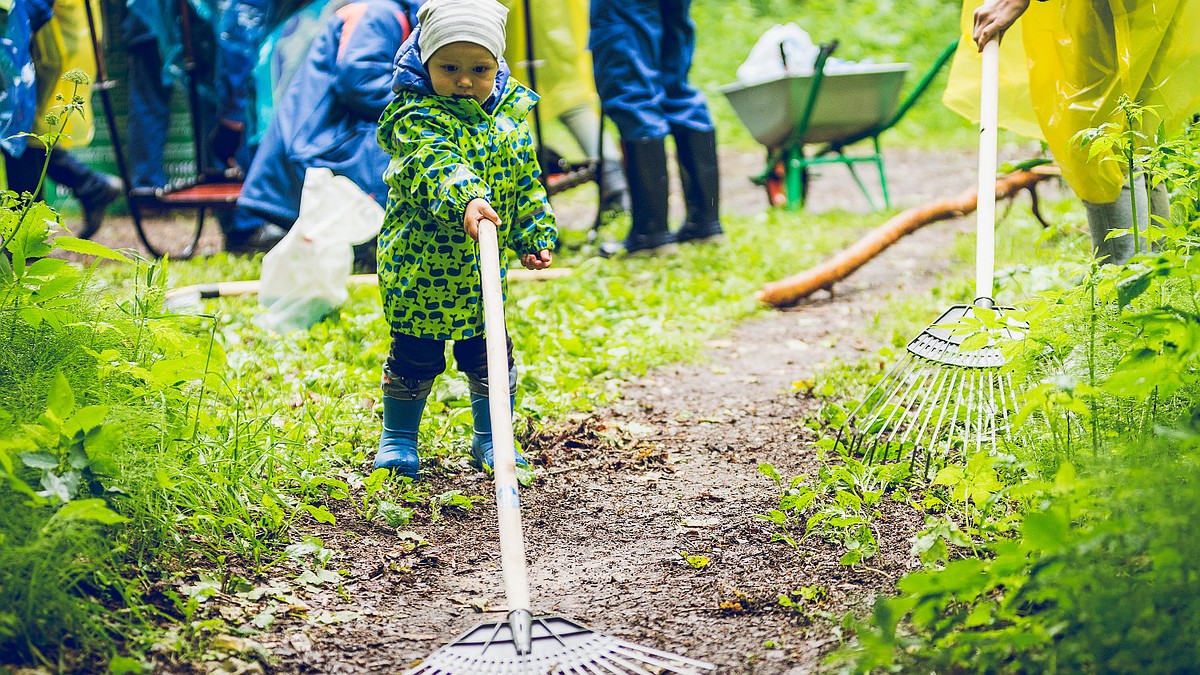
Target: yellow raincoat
[(1064, 64), (560, 37), (62, 44)]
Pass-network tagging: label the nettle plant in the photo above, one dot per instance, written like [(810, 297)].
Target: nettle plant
[(93, 390), (1097, 571), (67, 446)]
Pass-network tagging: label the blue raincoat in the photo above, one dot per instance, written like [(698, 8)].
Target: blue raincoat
[(445, 152), (328, 115), (641, 52), (18, 82), (241, 26), (159, 19)]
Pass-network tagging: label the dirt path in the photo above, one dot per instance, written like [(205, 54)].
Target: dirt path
[(670, 468)]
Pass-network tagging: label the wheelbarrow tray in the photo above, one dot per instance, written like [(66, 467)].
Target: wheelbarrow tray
[(848, 105)]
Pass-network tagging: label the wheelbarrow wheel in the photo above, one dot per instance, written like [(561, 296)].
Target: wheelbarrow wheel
[(776, 186), (776, 190)]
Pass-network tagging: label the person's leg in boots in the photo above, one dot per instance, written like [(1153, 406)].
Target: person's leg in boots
[(1117, 216), (627, 55), (691, 125), (649, 190), (696, 152), (149, 116), (471, 357), (408, 377), (585, 125)]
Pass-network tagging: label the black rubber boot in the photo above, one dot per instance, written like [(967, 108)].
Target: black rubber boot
[(649, 187), (700, 174)]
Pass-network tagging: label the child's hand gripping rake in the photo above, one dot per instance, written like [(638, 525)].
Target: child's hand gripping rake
[(524, 643), (940, 393)]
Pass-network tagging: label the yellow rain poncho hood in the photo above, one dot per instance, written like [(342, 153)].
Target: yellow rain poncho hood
[(1065, 63)]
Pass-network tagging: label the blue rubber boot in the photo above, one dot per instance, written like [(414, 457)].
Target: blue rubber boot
[(481, 443), (398, 443)]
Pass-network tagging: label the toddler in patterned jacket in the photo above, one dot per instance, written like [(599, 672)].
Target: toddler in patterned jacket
[(461, 152)]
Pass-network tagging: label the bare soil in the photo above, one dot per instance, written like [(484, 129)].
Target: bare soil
[(671, 468)]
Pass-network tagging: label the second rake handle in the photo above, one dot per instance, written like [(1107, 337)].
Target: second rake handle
[(985, 215)]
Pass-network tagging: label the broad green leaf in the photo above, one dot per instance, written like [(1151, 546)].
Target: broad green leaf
[(1045, 530), (950, 475), (46, 267), (975, 341), (61, 398), (396, 516), (65, 487), (125, 665), (88, 417), (90, 509), (321, 514), (1130, 289), (770, 472), (41, 460), (55, 288), (88, 247)]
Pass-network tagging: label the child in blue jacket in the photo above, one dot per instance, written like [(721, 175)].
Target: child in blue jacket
[(461, 152)]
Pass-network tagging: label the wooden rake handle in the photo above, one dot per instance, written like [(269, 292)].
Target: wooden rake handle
[(508, 501)]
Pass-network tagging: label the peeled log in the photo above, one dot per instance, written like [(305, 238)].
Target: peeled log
[(789, 291)]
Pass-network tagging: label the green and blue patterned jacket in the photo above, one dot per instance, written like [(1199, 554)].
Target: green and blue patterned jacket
[(445, 152)]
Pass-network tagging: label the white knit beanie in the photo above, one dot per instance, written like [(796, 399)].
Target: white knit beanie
[(477, 21)]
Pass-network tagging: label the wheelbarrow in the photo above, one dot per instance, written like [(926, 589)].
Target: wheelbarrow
[(832, 111)]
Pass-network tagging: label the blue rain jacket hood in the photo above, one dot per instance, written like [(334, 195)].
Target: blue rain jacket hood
[(329, 113)]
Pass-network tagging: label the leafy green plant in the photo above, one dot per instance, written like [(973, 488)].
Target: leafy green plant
[(1084, 565), (840, 508)]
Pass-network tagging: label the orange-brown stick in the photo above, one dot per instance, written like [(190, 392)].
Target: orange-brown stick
[(795, 288)]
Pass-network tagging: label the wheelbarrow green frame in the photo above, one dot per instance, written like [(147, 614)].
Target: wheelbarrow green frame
[(789, 164)]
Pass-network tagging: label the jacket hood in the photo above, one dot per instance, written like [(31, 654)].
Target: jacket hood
[(410, 73)]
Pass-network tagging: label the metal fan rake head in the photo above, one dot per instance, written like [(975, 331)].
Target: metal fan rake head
[(560, 646), (939, 397)]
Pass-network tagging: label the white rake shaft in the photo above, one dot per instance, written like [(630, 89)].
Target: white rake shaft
[(508, 501), (985, 214)]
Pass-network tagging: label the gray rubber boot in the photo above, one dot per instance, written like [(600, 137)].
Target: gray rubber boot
[(583, 122), (1116, 216)]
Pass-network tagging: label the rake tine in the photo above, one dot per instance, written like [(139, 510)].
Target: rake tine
[(912, 394), (897, 408), (955, 401), (937, 428), (936, 402), (888, 377), (877, 408), (922, 406), (994, 395), (632, 667), (649, 656), (867, 402), (1010, 403), (981, 407), (890, 397)]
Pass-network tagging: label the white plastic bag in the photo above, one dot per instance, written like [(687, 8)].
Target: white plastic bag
[(304, 276), (782, 50)]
